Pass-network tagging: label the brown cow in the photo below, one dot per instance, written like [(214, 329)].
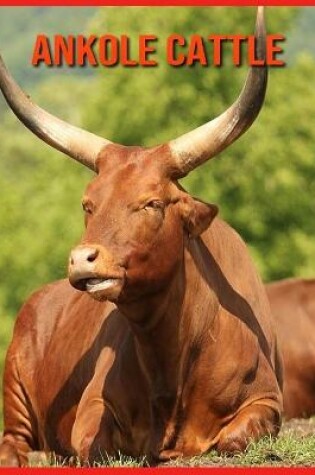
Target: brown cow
[(293, 305), (163, 344)]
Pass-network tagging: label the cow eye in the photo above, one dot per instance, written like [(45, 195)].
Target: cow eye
[(87, 208), (154, 204)]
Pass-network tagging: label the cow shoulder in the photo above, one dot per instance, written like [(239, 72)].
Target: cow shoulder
[(38, 317)]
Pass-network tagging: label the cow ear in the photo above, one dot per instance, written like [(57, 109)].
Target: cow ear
[(198, 215)]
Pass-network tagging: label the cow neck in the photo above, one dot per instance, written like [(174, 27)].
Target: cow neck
[(155, 322), (167, 333)]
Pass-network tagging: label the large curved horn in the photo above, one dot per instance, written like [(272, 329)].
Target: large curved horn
[(73, 141), (196, 147)]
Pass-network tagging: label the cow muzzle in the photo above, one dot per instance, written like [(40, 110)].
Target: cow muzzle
[(91, 269)]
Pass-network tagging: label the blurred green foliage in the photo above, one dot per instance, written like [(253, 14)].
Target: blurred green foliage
[(263, 184), (302, 35), (19, 28)]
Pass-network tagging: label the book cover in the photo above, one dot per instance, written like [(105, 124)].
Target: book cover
[(157, 245)]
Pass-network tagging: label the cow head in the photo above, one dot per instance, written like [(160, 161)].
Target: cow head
[(137, 216)]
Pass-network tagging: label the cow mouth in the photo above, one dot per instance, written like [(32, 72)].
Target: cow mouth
[(96, 285), (100, 288)]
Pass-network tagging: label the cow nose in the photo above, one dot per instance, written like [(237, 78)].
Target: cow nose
[(83, 255), (83, 263)]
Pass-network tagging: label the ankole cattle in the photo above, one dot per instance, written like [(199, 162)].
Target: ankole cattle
[(293, 306), (161, 342)]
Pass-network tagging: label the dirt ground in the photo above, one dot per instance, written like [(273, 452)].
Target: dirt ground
[(301, 427)]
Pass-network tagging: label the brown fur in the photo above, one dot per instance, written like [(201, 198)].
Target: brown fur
[(293, 305)]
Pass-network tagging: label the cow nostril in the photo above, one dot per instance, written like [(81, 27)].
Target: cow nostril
[(92, 256), (81, 256)]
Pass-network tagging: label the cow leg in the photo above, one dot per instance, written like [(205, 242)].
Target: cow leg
[(92, 433), (250, 424), (8, 455), (19, 437)]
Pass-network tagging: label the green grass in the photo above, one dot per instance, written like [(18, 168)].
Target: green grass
[(290, 449), (38, 459)]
